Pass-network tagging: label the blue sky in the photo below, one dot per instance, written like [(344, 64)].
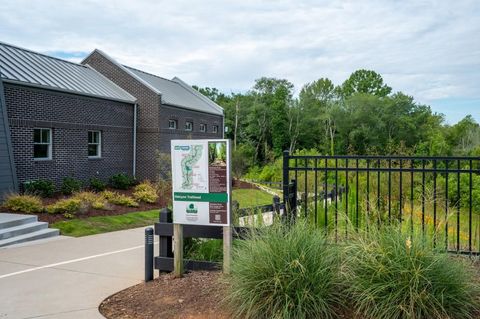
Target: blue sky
[(427, 49)]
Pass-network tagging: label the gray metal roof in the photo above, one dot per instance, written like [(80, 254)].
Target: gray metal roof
[(26, 67), (177, 93)]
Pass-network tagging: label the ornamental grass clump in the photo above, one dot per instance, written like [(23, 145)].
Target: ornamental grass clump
[(391, 275), (145, 192), (283, 272)]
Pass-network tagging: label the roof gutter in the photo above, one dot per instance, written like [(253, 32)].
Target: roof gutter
[(134, 171)]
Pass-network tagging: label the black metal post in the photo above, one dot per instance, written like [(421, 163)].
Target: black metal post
[(285, 182), (148, 254)]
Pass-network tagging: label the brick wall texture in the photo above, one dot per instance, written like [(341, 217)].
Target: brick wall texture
[(70, 117), (153, 134)]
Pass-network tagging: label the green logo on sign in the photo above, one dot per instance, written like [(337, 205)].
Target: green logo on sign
[(191, 209)]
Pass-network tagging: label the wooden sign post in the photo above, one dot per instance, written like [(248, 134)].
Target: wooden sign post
[(201, 187)]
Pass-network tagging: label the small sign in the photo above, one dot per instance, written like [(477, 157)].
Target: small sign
[(201, 182)]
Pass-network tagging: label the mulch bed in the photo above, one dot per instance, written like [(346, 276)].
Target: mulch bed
[(163, 201), (243, 185), (197, 295)]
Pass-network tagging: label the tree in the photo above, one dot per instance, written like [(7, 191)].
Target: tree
[(364, 81)]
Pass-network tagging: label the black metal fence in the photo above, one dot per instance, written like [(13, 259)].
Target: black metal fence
[(438, 197)]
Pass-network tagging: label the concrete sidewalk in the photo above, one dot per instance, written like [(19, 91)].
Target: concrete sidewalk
[(69, 277)]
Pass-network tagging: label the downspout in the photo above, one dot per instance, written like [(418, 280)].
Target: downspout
[(134, 140)]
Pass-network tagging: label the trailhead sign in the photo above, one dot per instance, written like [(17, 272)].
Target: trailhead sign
[(201, 182)]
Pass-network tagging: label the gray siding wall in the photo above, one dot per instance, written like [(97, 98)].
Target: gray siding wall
[(70, 117), (153, 134), (7, 169)]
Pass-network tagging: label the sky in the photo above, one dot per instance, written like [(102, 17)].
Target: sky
[(427, 49)]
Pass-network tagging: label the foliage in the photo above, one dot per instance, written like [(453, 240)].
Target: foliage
[(92, 200), (285, 273), (204, 249), (392, 275), (68, 205), (121, 181), (145, 192), (41, 187), (119, 199), (70, 185), (23, 203), (365, 81), (97, 185), (251, 197), (103, 224)]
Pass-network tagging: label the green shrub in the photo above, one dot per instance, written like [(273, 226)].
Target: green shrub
[(97, 185), (71, 185), (23, 203), (391, 275), (69, 205), (145, 192), (285, 273), (204, 249), (119, 199), (121, 181), (41, 187)]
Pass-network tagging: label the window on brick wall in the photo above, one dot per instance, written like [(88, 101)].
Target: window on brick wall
[(42, 143), (172, 124), (94, 144), (203, 127), (188, 126), (215, 129)]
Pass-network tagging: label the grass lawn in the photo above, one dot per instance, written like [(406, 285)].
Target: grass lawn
[(104, 224), (251, 197)]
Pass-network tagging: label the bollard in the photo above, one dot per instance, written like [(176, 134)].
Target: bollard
[(148, 254)]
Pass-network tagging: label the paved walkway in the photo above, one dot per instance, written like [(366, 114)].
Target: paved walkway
[(69, 277)]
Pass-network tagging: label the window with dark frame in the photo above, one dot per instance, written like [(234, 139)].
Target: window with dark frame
[(188, 126), (172, 124), (42, 143), (203, 127), (215, 129), (94, 144)]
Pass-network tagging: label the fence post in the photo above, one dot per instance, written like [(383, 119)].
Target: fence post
[(286, 209), (148, 254), (293, 201), (165, 242)]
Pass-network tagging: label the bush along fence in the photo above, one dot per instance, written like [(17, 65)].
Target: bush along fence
[(438, 197)]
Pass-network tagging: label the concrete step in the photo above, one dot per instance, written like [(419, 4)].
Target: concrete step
[(22, 229), (11, 220), (39, 234)]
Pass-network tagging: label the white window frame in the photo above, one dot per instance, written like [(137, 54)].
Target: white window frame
[(188, 128), (175, 124), (203, 127), (99, 144), (49, 143), (215, 129)]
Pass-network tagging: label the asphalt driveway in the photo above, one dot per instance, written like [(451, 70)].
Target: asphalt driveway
[(69, 277)]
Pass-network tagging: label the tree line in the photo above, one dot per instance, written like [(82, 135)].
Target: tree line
[(361, 116)]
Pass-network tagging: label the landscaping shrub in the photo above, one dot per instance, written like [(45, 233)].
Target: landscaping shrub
[(23, 203), (203, 249), (69, 205), (119, 199), (145, 192), (285, 273), (71, 185), (391, 275), (97, 185), (121, 181), (41, 187), (92, 200)]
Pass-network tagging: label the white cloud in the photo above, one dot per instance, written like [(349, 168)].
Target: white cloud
[(428, 49)]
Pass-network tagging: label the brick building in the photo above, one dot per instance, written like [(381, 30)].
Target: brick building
[(167, 109), (94, 119)]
